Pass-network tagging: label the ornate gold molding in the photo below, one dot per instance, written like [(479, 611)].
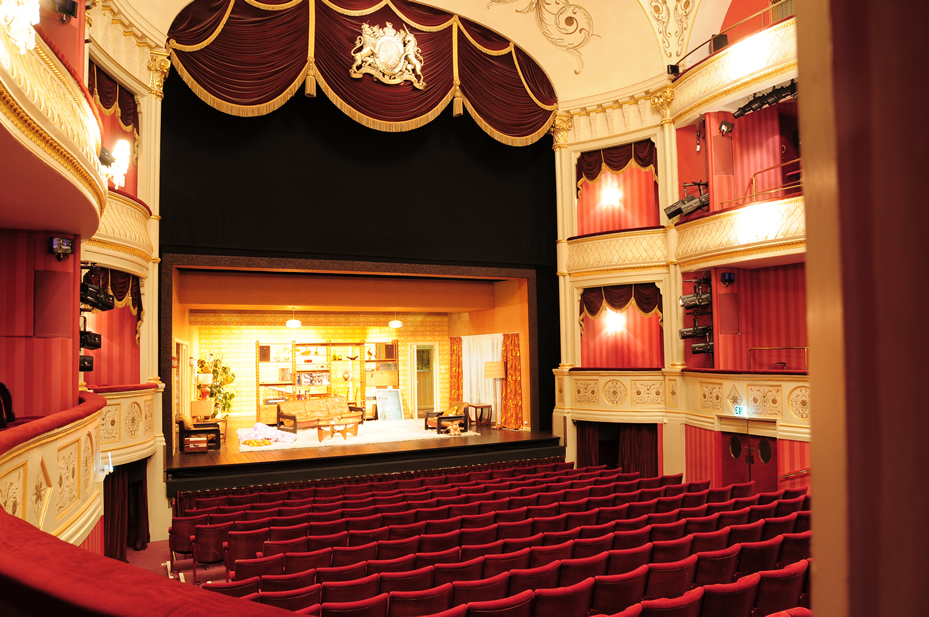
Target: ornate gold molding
[(623, 270), (560, 129), (759, 250), (661, 101), (158, 65), (119, 248), (646, 249), (54, 435)]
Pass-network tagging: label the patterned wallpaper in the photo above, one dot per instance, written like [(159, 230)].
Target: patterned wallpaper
[(232, 336)]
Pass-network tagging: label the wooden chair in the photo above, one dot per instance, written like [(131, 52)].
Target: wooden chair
[(210, 430), (439, 420)]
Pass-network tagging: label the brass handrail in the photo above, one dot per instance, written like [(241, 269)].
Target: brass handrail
[(778, 189), (754, 192), (795, 473), (806, 353)]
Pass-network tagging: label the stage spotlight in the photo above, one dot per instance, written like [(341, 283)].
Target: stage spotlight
[(725, 128), (678, 207), (95, 297), (699, 348), (695, 204), (90, 340), (696, 300), (705, 278), (695, 332)]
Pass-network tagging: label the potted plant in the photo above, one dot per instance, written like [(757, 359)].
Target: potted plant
[(221, 389)]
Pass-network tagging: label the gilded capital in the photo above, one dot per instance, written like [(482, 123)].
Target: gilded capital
[(661, 101), (158, 65), (559, 131)]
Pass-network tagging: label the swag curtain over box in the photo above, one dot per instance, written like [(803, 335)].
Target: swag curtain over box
[(247, 58), (119, 118), (639, 344)]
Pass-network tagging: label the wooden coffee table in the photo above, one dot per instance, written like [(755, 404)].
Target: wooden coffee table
[(479, 414), (337, 427)]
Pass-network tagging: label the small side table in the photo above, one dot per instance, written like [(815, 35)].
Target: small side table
[(479, 414), (220, 421)]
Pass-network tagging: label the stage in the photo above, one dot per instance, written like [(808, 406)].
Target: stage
[(229, 468)]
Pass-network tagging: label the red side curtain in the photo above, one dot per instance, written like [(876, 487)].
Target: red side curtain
[(137, 531), (455, 385), (645, 296), (125, 288), (638, 449), (618, 201), (512, 384), (590, 164), (249, 58), (588, 444)]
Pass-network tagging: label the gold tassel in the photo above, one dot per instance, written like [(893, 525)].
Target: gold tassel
[(309, 87), (457, 103)]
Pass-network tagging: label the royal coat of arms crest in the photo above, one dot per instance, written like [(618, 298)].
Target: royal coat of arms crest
[(388, 55)]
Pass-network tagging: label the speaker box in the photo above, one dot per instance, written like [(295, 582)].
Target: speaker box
[(90, 340), (86, 364)]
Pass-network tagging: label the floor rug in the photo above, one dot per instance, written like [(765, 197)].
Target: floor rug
[(381, 431)]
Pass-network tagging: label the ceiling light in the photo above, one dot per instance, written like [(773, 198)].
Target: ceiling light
[(395, 323), (18, 16), (293, 322)]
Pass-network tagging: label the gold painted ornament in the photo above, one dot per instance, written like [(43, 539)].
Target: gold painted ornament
[(389, 56)]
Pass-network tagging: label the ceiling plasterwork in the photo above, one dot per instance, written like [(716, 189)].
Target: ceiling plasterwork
[(672, 21)]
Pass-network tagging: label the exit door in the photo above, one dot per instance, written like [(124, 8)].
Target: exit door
[(750, 457)]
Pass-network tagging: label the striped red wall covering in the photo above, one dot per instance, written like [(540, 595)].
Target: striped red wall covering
[(772, 313), (94, 541), (639, 345), (638, 204), (793, 456), (720, 161), (117, 361), (702, 455), (40, 372), (756, 145)]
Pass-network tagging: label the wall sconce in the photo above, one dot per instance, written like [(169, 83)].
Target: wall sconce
[(116, 165)]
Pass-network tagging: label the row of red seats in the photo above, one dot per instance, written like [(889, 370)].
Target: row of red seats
[(463, 530), (342, 486), (555, 590), (572, 478)]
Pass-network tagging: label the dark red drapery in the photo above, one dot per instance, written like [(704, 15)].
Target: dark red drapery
[(116, 517), (588, 444), (113, 98), (249, 58), (616, 158), (646, 296), (125, 288), (638, 449)]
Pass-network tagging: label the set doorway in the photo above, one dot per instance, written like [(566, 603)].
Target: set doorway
[(423, 378)]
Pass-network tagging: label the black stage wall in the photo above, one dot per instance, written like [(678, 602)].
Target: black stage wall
[(306, 181)]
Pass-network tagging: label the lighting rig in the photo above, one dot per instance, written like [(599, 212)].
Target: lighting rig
[(761, 100), (698, 303), (690, 203), (93, 297)]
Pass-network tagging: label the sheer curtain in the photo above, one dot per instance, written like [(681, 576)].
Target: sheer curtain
[(475, 351)]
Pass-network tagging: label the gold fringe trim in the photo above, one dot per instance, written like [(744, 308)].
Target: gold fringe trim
[(384, 3), (381, 125), (457, 103), (490, 52), (198, 46), (506, 139), (243, 111), (309, 87), (273, 7), (526, 86), (605, 167)]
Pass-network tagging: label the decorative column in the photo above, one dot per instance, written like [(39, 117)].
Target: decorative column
[(564, 186), (668, 194)]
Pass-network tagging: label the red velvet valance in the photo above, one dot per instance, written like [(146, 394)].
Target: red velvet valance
[(646, 297), (591, 164), (126, 291), (248, 57), (114, 98)]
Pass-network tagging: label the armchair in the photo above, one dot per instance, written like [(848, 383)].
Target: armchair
[(210, 430), (439, 420)]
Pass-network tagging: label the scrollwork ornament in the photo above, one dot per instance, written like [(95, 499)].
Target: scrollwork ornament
[(560, 129), (159, 66), (661, 13), (585, 391), (614, 392), (566, 26), (682, 9), (661, 101), (799, 402)]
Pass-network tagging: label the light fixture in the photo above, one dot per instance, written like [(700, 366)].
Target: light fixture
[(395, 323), (495, 369), (611, 197), (688, 205), (204, 380), (700, 348), (293, 322), (725, 128), (727, 278), (697, 331), (18, 17), (695, 300), (115, 171), (615, 322)]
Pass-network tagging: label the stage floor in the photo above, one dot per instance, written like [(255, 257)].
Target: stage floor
[(228, 467)]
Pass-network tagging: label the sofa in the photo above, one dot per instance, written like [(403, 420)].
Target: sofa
[(456, 413), (317, 412)]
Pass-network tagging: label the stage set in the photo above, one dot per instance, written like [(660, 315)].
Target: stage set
[(233, 465)]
